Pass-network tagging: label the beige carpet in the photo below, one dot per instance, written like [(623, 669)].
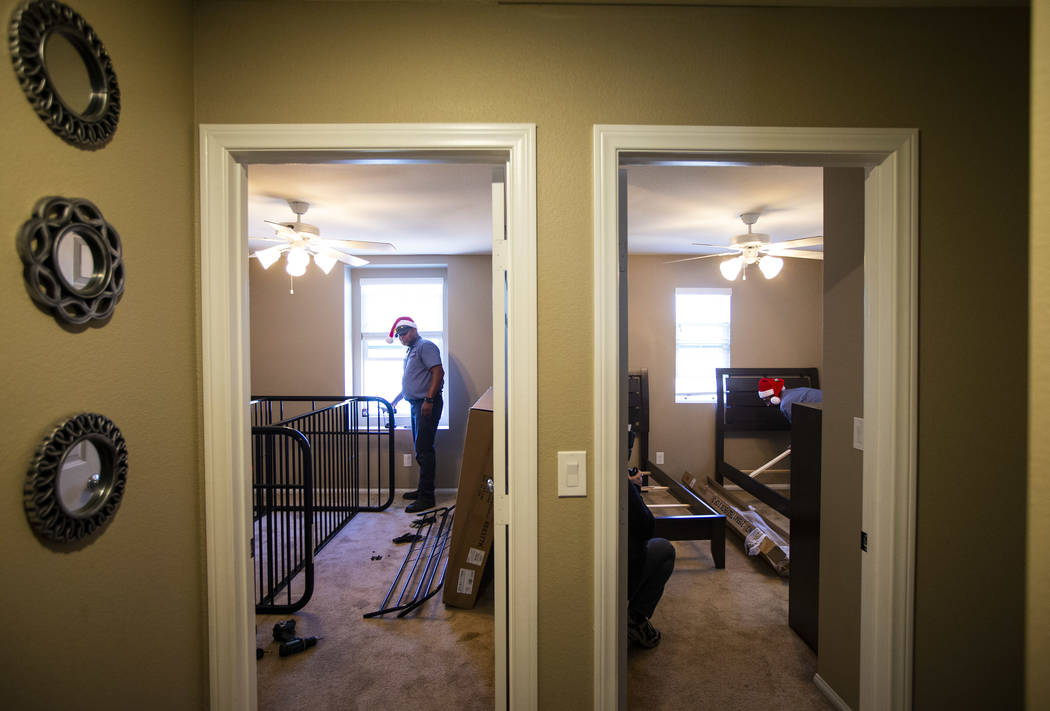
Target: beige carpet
[(726, 643), (437, 657)]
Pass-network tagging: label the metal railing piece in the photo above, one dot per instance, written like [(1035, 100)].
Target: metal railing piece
[(350, 441), (433, 548)]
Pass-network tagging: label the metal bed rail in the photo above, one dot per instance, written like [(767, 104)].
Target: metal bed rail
[(282, 519), (350, 470)]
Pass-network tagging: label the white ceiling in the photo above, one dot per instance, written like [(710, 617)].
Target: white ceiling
[(436, 208), (669, 207)]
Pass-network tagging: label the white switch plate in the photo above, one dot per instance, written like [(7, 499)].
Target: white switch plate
[(572, 473), (659, 457), (407, 460), (858, 433)]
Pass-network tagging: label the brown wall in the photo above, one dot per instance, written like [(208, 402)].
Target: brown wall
[(1038, 622), (297, 344), (118, 622), (842, 380), (566, 68), (774, 323)]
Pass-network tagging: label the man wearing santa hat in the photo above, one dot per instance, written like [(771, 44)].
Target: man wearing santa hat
[(773, 391), (421, 386)]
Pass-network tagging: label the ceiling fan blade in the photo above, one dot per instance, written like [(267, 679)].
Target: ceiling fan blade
[(358, 245), (795, 253), (816, 241), (716, 246), (702, 256), (269, 239), (283, 230), (347, 258)]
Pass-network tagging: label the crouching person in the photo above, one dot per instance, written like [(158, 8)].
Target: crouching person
[(650, 562)]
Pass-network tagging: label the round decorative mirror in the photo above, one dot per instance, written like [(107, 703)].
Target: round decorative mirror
[(73, 260), (65, 72), (77, 478)]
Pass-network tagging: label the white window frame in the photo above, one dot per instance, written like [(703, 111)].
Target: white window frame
[(702, 397), (356, 354)]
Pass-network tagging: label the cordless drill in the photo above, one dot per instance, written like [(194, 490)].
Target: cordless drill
[(284, 634)]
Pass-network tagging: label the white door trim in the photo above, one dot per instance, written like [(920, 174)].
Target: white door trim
[(224, 149), (890, 358)]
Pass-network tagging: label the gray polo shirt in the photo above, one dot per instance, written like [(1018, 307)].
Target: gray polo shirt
[(421, 357)]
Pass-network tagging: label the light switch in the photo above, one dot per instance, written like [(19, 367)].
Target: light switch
[(572, 473), (858, 433)]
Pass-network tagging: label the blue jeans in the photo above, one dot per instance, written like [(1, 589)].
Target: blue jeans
[(424, 429), (647, 586)]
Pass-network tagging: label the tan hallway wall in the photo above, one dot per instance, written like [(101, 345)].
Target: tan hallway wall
[(1038, 622), (567, 68), (307, 328), (118, 623), (775, 322)]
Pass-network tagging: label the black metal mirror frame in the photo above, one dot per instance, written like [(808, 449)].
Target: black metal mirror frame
[(44, 509), (32, 23), (55, 218)]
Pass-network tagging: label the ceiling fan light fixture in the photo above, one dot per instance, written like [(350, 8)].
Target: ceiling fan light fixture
[(325, 261), (770, 265), (730, 268), (298, 260), (269, 255)]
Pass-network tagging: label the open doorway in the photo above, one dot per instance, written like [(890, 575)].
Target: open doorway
[(889, 160), (225, 151), (412, 236), (725, 287)]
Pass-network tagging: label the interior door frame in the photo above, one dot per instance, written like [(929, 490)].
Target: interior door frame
[(224, 151), (890, 368)]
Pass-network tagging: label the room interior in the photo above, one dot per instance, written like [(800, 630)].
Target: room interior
[(182, 64)]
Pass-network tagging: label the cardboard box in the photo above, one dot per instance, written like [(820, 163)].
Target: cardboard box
[(473, 527), (732, 508)]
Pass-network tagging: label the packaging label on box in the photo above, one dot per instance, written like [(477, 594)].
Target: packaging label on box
[(476, 556), (466, 581)]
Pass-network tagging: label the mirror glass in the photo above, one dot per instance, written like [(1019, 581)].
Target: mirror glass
[(69, 74), (79, 481), (76, 261)]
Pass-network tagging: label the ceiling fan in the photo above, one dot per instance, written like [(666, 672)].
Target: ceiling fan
[(302, 241), (755, 248)]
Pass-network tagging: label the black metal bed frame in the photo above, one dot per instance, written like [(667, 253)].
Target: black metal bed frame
[(312, 472)]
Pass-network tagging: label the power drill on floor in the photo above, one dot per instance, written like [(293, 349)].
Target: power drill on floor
[(284, 633)]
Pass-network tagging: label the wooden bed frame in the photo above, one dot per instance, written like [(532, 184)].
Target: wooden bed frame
[(703, 522), (741, 411)]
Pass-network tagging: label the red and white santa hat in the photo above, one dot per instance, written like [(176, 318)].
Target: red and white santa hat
[(770, 387), (400, 322)]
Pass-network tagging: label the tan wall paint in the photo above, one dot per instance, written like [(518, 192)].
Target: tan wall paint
[(774, 323), (567, 68), (1038, 607), (119, 622), (841, 491), (296, 339)]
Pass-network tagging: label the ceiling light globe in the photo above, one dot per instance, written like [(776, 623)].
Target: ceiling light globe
[(770, 266), (298, 257), (730, 268), (295, 270), (268, 256), (325, 261)]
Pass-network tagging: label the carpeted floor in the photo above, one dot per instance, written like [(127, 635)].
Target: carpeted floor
[(435, 657), (726, 643)]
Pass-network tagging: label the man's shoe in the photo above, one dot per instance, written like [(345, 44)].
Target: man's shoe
[(643, 632), (420, 504), (410, 495)]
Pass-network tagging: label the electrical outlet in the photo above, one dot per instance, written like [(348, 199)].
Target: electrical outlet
[(659, 457), (407, 459)]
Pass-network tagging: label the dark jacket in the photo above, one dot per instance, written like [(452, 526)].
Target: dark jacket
[(640, 524)]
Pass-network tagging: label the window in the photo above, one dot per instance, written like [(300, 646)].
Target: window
[(701, 319), (383, 299)]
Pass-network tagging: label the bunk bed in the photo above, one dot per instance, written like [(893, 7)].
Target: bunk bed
[(702, 522), (741, 412)]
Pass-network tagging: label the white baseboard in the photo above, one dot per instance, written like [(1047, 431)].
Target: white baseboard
[(830, 694)]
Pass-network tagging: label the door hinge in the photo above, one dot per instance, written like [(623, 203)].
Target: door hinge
[(864, 540)]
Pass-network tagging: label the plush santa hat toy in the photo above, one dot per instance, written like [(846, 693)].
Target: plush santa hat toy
[(770, 387), (400, 322)]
